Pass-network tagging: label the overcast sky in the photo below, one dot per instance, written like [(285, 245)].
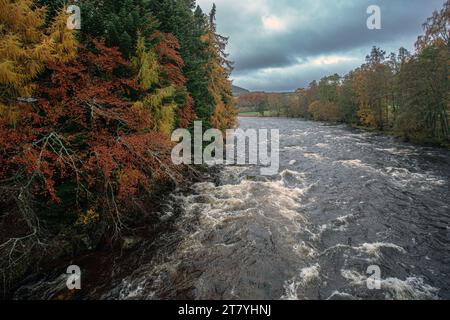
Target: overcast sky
[(281, 45)]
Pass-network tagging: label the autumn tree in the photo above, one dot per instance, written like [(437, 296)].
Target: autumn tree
[(253, 101), (347, 101), (26, 45), (436, 29), (324, 111), (84, 146), (155, 98), (312, 92), (424, 83), (219, 85), (188, 23), (24, 48), (167, 48), (276, 104), (85, 124)]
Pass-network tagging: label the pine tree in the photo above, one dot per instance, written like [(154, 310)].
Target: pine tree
[(119, 22), (189, 24)]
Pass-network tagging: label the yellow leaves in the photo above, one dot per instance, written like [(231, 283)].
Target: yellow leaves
[(63, 42), (139, 107), (146, 65), (219, 86), (18, 17), (156, 99), (224, 116), (10, 114), (21, 56), (26, 47), (165, 119), (162, 114), (11, 47), (8, 74), (89, 217), (366, 116)]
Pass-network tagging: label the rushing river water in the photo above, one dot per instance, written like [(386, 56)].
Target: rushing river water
[(344, 200)]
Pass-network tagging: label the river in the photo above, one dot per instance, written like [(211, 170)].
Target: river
[(344, 201)]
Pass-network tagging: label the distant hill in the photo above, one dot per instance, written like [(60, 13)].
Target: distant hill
[(237, 91)]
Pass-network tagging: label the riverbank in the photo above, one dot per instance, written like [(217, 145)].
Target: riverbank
[(43, 274), (343, 200), (392, 133)]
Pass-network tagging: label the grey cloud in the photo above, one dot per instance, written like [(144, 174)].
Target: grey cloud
[(314, 27)]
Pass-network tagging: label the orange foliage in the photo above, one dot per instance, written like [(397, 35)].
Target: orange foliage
[(84, 133), (325, 111), (172, 63), (187, 113)]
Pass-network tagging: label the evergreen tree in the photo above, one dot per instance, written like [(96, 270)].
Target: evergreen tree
[(189, 24), (119, 22)]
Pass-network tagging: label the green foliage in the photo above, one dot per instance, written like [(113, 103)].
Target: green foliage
[(404, 93), (189, 26), (145, 64), (88, 145), (119, 22), (425, 85), (328, 88)]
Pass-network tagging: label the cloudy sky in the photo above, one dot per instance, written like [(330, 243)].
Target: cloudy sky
[(281, 45)]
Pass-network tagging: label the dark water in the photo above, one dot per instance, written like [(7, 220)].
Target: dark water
[(343, 201)]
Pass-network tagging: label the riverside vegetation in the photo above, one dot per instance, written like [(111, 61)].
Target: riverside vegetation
[(407, 94), (86, 118)]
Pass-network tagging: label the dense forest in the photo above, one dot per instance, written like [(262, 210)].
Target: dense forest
[(86, 117), (404, 93)]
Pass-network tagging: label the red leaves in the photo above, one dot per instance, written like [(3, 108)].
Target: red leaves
[(130, 163), (102, 57), (103, 159), (85, 131), (167, 48), (187, 114), (252, 99), (89, 80)]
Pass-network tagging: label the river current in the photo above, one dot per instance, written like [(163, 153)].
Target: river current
[(344, 202)]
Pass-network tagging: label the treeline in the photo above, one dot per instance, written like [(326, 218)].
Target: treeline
[(86, 116), (404, 93)]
